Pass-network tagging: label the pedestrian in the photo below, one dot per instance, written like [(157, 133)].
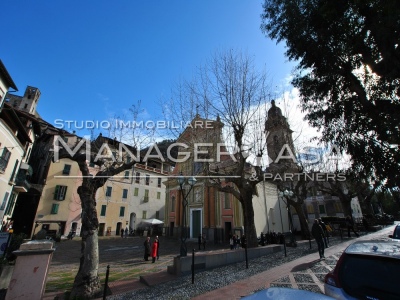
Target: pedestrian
[(325, 230), (231, 242), (199, 240), (350, 226), (243, 241), (158, 247), (154, 250), (237, 242), (318, 234), (126, 231), (147, 248), (203, 241), (122, 232)]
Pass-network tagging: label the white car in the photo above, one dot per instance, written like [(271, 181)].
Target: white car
[(366, 270)]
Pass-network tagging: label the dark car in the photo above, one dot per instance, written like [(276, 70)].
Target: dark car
[(366, 270), (396, 233)]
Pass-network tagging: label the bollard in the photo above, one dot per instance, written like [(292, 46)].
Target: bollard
[(245, 252), (106, 282), (193, 266), (284, 245)]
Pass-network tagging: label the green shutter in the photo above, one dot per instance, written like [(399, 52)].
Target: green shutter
[(54, 209)]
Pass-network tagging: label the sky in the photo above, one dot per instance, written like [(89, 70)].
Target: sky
[(92, 60)]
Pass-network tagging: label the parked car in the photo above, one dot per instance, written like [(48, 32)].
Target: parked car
[(366, 270), (396, 233), (280, 293)]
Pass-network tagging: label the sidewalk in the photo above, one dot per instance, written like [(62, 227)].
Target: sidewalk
[(290, 274)]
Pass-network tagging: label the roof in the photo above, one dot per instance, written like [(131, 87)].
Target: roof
[(6, 76), (375, 248)]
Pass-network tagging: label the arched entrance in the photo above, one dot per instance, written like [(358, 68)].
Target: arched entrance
[(132, 221)]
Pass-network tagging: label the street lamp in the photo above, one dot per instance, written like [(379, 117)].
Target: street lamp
[(192, 181), (288, 194)]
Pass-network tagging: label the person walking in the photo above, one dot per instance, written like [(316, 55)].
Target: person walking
[(122, 232), (318, 235), (199, 240), (326, 234), (237, 242), (158, 247), (231, 242), (147, 248), (350, 226), (203, 241), (126, 231), (154, 250)]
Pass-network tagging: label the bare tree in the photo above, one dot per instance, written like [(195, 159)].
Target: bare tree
[(229, 89), (112, 157)]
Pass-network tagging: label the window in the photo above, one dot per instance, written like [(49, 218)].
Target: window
[(128, 159), (60, 191), (173, 203), (158, 195), (321, 208), (10, 205), (67, 169), (137, 180), (158, 182), (147, 179), (126, 174), (122, 211), (54, 209), (146, 196), (108, 191), (3, 204), (136, 191), (14, 171), (338, 207), (103, 210), (310, 209), (227, 201), (157, 214), (124, 193), (144, 215), (4, 158), (91, 164)]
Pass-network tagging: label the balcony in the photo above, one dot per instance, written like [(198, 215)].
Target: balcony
[(21, 186), (21, 183)]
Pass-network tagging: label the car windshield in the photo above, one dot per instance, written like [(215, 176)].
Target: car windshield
[(396, 233), (378, 248), (370, 277)]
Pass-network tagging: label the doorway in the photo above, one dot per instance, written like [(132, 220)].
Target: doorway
[(101, 229), (118, 230), (196, 225)]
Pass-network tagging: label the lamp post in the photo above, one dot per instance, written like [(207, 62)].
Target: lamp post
[(288, 194), (191, 181)]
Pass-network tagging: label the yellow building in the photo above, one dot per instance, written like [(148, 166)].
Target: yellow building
[(124, 200)]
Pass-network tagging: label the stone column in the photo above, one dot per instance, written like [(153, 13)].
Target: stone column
[(30, 272)]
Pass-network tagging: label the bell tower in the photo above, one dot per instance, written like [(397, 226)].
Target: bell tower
[(279, 139)]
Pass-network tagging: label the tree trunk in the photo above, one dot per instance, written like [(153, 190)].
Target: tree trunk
[(345, 201), (305, 230), (248, 217), (87, 282)]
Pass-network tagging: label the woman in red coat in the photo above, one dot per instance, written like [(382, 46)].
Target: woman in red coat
[(154, 250)]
